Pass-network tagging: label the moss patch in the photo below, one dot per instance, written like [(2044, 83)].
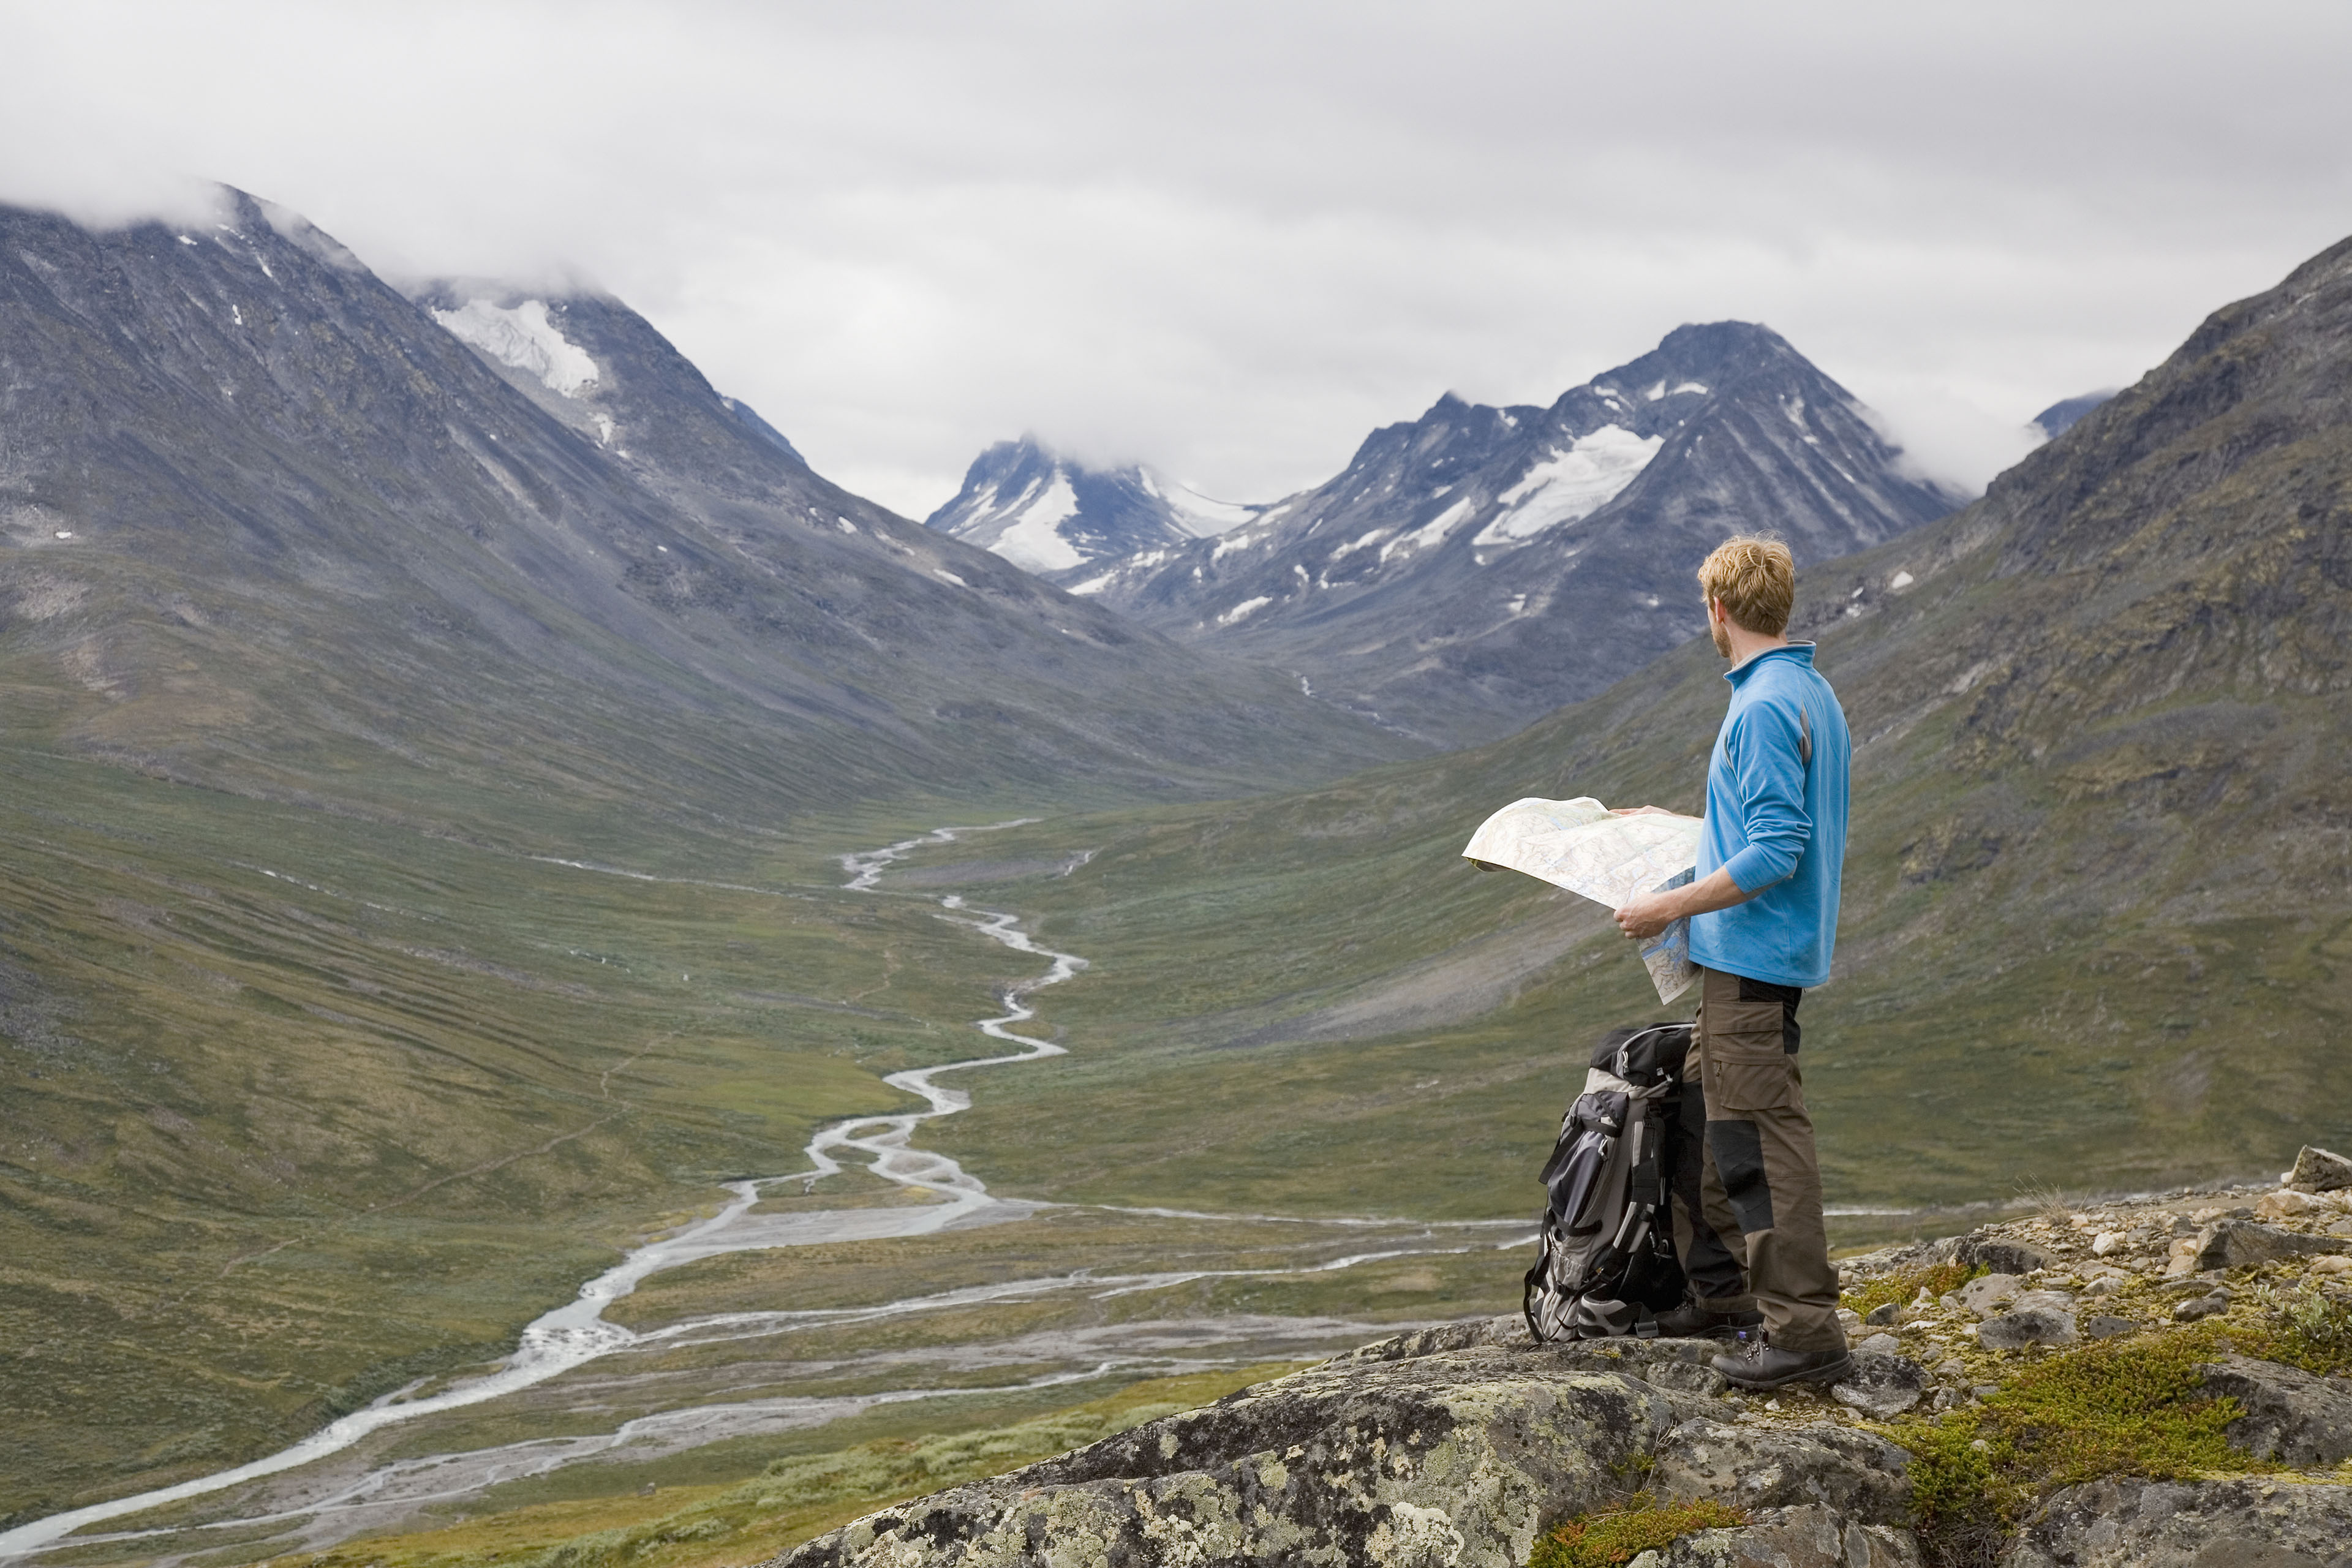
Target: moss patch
[(1904, 1286), (1611, 1536)]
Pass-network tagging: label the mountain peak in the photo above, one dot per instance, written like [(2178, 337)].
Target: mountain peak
[(1479, 566), (1052, 515)]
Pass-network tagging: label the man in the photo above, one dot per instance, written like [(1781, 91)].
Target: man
[(1763, 911)]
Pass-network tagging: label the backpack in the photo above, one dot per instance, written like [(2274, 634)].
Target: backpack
[(1607, 1259)]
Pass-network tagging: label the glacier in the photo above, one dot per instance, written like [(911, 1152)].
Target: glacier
[(524, 338)]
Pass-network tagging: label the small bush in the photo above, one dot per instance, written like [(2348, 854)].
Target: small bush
[(2303, 1328), (1609, 1537), (1900, 1288)]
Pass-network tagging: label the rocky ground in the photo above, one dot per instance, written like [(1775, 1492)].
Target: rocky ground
[(2152, 1381)]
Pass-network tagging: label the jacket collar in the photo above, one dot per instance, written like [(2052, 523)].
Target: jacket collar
[(1803, 652)]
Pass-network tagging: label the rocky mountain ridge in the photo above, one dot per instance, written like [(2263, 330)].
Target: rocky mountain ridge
[(262, 511), (1467, 1445), (1480, 566), (1052, 515)]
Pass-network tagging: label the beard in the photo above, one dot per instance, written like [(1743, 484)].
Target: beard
[(1715, 630)]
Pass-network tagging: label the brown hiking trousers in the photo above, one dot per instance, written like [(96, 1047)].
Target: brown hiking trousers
[(1761, 1181)]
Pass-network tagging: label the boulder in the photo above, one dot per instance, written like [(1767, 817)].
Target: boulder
[(1858, 1476), (2255, 1523), (2106, 1326), (1882, 1385), (2002, 1254), (1453, 1458), (2210, 1304), (1806, 1537), (2291, 1416), (2033, 1326), (1987, 1295), (2317, 1171), (2241, 1242)]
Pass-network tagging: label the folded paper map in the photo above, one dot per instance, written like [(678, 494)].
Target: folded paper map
[(1579, 845)]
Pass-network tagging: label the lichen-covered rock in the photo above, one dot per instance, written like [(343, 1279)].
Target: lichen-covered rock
[(1989, 1293), (1807, 1537), (2001, 1253), (2239, 1243), (2258, 1523), (1469, 1334), (1457, 1459), (2031, 1326), (1860, 1476), (2291, 1416), (1882, 1385)]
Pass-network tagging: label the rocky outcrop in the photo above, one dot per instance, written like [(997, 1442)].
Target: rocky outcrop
[(1457, 1445), (2190, 1524)]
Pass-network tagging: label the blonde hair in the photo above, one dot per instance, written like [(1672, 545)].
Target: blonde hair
[(1756, 578)]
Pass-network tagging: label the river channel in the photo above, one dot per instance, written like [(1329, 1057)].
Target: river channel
[(318, 1502)]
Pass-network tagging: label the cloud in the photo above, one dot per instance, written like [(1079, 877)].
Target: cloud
[(1231, 239)]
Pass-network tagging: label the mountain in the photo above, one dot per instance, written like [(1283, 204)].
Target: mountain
[(1480, 566), (279, 527), (2061, 416), (1056, 518)]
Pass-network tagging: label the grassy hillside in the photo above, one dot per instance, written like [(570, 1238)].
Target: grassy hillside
[(295, 1107)]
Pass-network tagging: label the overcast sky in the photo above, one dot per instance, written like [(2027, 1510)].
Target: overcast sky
[(1230, 240)]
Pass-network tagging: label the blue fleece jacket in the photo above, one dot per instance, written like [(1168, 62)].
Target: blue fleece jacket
[(1776, 822)]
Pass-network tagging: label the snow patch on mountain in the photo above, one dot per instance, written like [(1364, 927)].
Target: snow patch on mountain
[(524, 338), (1433, 532), (1203, 516), (1030, 539), (1570, 483)]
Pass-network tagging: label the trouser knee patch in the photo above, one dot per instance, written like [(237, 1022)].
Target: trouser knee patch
[(1738, 1151)]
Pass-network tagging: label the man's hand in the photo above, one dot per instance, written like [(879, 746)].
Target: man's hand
[(1649, 914)]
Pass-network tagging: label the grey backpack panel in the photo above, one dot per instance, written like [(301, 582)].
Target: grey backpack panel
[(1607, 1243)]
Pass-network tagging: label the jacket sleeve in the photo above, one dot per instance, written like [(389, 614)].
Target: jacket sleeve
[(1768, 775)]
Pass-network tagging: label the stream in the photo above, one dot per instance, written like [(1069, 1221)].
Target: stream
[(577, 1333)]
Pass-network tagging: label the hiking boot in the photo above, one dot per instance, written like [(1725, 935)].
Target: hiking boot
[(1692, 1322), (1759, 1365)]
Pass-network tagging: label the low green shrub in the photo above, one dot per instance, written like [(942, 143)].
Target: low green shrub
[(2132, 1406), (1608, 1537)]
